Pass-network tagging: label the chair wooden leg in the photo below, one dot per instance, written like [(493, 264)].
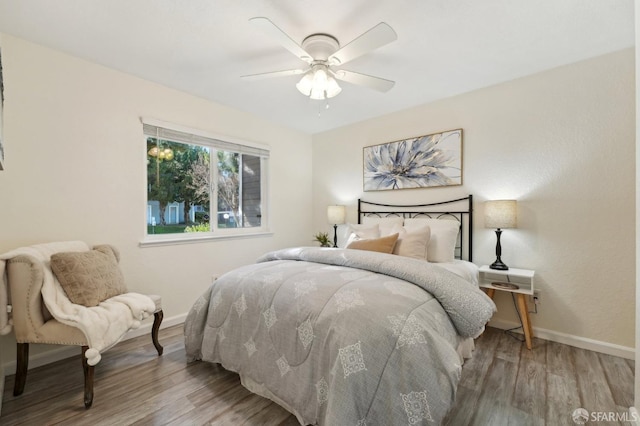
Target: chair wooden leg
[(88, 379), (157, 320), (22, 365)]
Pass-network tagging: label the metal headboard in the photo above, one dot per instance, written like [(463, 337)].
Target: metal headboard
[(460, 209)]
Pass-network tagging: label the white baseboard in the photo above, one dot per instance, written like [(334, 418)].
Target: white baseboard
[(70, 351), (568, 339), (146, 328)]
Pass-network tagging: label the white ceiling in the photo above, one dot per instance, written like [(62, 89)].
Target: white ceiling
[(444, 47)]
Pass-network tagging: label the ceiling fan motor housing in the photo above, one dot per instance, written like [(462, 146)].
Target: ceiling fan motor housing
[(320, 46)]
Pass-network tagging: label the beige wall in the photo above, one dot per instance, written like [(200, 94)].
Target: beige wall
[(75, 169), (560, 142), (637, 235)]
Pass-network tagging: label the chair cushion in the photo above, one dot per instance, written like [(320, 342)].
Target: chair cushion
[(89, 277)]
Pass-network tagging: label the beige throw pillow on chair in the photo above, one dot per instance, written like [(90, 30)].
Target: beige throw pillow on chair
[(89, 277)]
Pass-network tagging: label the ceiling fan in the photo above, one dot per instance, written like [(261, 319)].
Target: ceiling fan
[(323, 52)]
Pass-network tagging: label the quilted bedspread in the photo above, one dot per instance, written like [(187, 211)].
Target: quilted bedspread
[(341, 337)]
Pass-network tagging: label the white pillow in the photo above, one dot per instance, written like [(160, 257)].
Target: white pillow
[(386, 224), (361, 232), (412, 243), (444, 237)]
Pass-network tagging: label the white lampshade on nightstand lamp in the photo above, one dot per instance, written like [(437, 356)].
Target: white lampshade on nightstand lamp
[(336, 216), (500, 214)]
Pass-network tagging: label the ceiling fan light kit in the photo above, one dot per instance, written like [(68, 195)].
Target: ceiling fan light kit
[(321, 52), (318, 83)]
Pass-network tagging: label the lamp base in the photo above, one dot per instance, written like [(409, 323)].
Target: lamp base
[(499, 266)]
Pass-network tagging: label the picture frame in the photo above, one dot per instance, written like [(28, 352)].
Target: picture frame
[(427, 161), (1, 115)]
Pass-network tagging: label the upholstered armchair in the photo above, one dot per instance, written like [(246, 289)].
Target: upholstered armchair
[(33, 322)]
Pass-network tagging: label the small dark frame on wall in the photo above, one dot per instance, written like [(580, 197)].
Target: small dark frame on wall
[(422, 162)]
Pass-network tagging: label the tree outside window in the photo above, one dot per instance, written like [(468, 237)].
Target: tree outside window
[(181, 178)]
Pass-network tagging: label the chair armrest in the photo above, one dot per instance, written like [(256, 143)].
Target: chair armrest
[(25, 278)]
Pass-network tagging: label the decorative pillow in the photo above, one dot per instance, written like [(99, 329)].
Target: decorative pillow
[(361, 232), (89, 277), (444, 237), (386, 224), (382, 245), (412, 243)]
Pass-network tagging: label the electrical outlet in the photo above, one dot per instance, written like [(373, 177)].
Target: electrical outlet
[(535, 299)]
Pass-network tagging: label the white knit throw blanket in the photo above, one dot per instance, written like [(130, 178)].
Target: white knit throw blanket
[(103, 325)]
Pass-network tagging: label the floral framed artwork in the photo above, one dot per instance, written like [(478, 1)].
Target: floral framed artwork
[(422, 162), (1, 105)]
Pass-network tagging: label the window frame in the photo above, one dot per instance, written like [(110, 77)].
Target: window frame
[(226, 143)]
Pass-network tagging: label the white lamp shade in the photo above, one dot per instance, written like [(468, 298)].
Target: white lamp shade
[(336, 214), (306, 83), (500, 214), (317, 93), (332, 87)]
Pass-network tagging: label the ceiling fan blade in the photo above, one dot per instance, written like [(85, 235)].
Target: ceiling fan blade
[(281, 37), (372, 39), (375, 83), (262, 76)]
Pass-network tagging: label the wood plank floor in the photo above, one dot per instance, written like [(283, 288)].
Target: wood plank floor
[(503, 384)]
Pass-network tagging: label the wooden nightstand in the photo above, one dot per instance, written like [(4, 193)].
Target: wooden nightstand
[(519, 282)]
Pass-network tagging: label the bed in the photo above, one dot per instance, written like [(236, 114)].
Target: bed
[(352, 336)]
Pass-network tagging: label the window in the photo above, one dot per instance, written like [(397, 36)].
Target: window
[(200, 186)]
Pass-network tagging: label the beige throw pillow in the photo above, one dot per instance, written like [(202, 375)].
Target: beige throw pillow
[(382, 245), (89, 277)]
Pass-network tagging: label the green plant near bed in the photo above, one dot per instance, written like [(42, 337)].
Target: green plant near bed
[(323, 239)]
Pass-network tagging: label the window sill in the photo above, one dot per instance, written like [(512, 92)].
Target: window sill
[(170, 240)]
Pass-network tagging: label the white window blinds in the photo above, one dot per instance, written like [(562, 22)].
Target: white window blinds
[(184, 136)]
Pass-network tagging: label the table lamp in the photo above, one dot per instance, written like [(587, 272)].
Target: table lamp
[(500, 214), (336, 216)]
